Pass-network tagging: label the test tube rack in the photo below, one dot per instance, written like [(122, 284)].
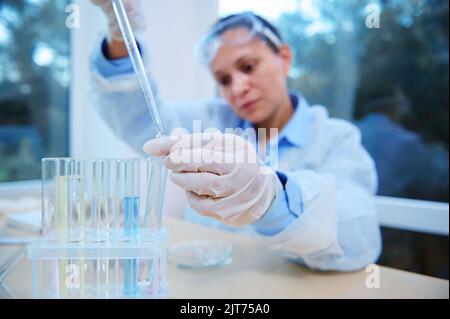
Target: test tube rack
[(102, 235)]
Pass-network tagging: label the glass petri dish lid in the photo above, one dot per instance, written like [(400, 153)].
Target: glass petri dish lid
[(203, 253)]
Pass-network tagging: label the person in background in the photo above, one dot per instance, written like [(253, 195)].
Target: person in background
[(407, 167), (410, 168)]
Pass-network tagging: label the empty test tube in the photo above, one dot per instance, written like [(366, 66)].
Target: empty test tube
[(117, 194), (148, 276), (100, 199), (76, 203), (157, 176)]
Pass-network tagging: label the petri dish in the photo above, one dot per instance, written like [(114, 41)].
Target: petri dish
[(204, 253)]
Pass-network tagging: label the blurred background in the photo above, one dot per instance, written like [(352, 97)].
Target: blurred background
[(383, 65)]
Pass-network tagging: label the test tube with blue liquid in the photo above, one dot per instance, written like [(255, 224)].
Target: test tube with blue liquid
[(131, 199), (131, 205)]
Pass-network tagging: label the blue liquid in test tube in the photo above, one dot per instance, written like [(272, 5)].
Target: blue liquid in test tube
[(131, 211), (131, 224), (130, 279)]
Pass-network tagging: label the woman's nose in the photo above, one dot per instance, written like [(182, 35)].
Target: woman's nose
[(240, 85)]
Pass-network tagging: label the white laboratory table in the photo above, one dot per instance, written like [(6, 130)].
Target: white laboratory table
[(257, 272)]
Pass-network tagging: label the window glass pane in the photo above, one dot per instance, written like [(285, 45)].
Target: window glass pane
[(392, 82), (382, 65), (34, 85)]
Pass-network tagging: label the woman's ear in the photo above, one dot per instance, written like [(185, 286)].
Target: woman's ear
[(285, 54)]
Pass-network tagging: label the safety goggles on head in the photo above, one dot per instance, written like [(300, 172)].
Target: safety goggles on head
[(253, 27)]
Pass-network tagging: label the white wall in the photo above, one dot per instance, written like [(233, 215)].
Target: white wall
[(173, 29)]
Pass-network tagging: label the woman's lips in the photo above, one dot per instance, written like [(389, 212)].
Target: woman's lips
[(249, 105)]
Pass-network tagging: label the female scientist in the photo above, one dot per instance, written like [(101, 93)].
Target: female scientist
[(313, 205)]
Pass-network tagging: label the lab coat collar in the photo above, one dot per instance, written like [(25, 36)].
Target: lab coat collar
[(295, 131)]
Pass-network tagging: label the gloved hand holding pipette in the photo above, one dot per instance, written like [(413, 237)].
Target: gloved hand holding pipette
[(134, 12), (123, 22), (221, 174)]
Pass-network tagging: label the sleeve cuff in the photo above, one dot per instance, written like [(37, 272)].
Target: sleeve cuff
[(286, 207), (108, 68), (293, 193)]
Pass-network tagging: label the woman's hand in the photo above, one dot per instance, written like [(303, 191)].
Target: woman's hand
[(134, 12), (221, 174)]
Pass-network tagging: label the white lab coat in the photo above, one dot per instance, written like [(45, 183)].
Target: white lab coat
[(338, 228)]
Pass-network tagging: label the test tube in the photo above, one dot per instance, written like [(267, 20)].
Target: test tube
[(97, 192), (157, 177), (76, 209), (116, 197), (116, 223), (96, 276), (100, 199), (148, 275), (63, 209), (131, 222), (131, 199), (63, 188), (50, 172), (96, 172), (115, 278), (102, 276)]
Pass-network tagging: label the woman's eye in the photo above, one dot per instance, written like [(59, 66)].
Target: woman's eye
[(224, 81), (248, 68)]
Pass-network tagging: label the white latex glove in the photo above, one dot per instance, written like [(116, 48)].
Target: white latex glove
[(221, 174), (134, 12)]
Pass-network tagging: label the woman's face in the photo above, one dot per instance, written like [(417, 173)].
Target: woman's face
[(252, 77)]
